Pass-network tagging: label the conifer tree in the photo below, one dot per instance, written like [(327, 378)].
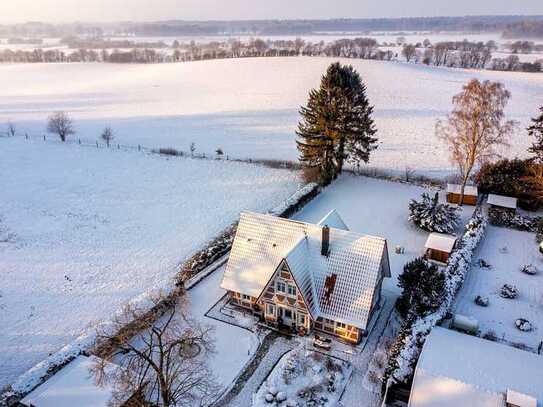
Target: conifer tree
[(536, 130), (337, 124)]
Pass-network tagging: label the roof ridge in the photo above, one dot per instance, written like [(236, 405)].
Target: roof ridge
[(312, 225)]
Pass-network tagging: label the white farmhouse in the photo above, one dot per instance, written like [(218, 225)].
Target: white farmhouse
[(303, 276)]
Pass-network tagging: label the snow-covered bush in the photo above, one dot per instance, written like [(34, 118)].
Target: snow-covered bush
[(405, 351), (509, 291), (529, 269), (481, 301), (430, 215), (524, 325)]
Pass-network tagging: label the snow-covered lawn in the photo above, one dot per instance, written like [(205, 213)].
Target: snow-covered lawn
[(374, 207), (249, 107), (233, 345), (304, 377), (506, 251), (90, 229)]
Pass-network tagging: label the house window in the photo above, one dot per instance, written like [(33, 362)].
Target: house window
[(292, 290), (281, 287), (270, 309), (340, 325), (288, 313), (301, 319), (246, 297)]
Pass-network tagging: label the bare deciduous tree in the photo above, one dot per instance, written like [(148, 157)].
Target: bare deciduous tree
[(165, 363), (476, 126), (409, 51), (107, 135), (61, 124), (11, 129)]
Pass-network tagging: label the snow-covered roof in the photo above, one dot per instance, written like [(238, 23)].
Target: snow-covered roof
[(262, 242), (503, 201), (456, 369), (73, 385), (333, 220), (469, 190), (440, 241)]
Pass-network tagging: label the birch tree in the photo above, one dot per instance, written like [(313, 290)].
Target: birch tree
[(476, 127)]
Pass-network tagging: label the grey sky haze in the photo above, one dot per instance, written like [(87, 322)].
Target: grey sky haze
[(145, 10)]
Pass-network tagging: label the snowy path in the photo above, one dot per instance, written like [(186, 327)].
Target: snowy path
[(280, 346), (357, 393)]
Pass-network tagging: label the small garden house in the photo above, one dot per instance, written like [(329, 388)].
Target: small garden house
[(455, 369), (504, 203), (439, 247), (470, 194), (303, 277)]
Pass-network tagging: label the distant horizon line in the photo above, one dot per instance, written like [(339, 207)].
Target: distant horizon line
[(180, 20)]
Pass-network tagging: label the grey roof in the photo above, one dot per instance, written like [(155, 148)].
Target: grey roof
[(262, 242)]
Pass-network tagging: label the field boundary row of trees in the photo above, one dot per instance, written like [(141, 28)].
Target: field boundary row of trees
[(453, 54)]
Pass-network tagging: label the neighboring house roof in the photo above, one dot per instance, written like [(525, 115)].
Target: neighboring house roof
[(73, 385), (333, 220), (439, 241), (456, 369), (469, 190), (262, 242), (503, 201)]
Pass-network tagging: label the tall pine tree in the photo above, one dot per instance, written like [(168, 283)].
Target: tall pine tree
[(337, 124), (536, 130)]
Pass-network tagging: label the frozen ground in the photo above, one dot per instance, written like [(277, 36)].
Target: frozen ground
[(249, 107), (84, 230), (500, 315)]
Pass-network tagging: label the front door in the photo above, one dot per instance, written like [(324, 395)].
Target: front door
[(287, 315)]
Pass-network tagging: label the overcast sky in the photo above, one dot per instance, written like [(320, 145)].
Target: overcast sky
[(144, 10)]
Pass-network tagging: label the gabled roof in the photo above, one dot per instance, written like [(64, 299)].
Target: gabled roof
[(456, 369), (469, 190), (73, 385), (440, 241), (333, 220), (262, 242), (503, 201)]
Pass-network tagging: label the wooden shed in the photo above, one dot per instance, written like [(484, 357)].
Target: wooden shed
[(470, 194), (439, 247), (501, 202)]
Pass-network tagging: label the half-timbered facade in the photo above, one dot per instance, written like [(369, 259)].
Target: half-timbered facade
[(307, 277)]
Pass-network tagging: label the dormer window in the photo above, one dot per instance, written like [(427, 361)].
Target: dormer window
[(292, 290), (281, 287)]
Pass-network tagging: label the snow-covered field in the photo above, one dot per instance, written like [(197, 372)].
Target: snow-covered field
[(249, 107), (86, 230), (374, 207), (500, 315)]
